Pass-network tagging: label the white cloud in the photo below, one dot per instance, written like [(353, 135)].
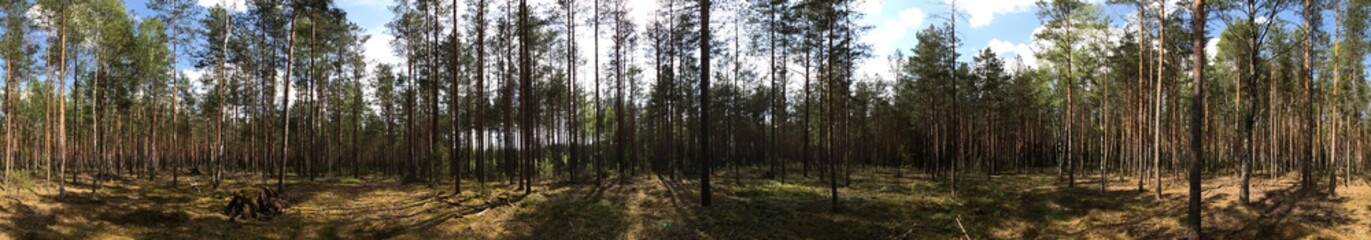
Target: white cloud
[(1171, 6), (41, 17), (640, 12), (378, 48), (193, 79), (1211, 49), (1004, 48), (886, 34), (982, 12), (192, 74), (871, 7), (1091, 42), (235, 5)]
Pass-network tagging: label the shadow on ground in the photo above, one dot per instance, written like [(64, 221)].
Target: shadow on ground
[(876, 205)]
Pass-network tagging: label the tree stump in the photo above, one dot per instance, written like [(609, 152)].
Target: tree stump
[(259, 203)]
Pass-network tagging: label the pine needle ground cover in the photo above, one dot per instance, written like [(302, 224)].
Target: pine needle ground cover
[(875, 204)]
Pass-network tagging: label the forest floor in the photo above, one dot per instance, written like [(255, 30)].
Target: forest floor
[(877, 205)]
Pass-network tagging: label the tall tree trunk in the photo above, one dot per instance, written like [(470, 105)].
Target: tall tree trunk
[(1306, 75), (1197, 117), (285, 103), (218, 150), (1337, 75), (705, 168), (411, 163), (1246, 144), (599, 120), (525, 75), (10, 119), (954, 114), (805, 127), (1142, 80), (452, 107), (771, 39), (312, 115), (97, 148), (573, 127), (1070, 107), (480, 105), (828, 143), (619, 122), (430, 149), (1157, 114), (62, 103)]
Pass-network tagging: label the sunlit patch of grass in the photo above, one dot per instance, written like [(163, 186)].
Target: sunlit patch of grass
[(349, 180), (775, 190), (20, 179)]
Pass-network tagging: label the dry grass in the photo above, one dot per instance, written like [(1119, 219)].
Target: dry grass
[(876, 205)]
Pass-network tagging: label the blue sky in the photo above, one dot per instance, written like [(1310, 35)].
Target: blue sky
[(1006, 25)]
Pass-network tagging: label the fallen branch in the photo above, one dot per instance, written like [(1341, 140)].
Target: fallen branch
[(906, 233), (959, 225)]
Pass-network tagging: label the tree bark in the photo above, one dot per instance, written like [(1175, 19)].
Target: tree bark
[(285, 117), (1157, 114), (452, 107), (1306, 73), (62, 104), (705, 168), (1197, 118)]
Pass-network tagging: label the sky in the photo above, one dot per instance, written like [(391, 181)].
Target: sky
[(1005, 26), (371, 15)]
